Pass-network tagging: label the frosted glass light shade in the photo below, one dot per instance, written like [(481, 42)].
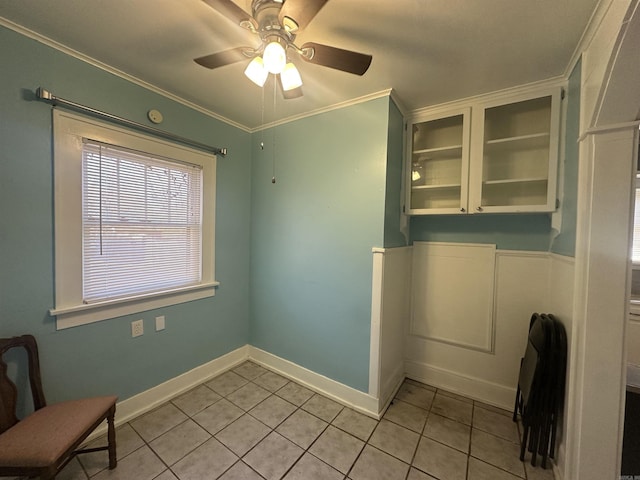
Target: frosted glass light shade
[(290, 77), (256, 71), (275, 58)]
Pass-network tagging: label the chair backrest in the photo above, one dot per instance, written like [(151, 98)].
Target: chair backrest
[(534, 366), (559, 357), (528, 368), (8, 389)]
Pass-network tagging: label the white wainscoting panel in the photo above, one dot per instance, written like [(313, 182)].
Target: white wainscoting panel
[(389, 313), (452, 293), (521, 288)]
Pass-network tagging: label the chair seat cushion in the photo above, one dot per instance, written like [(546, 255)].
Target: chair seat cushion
[(40, 439)]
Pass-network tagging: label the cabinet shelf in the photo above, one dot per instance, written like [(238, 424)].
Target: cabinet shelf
[(436, 186), (521, 142), (440, 152), (515, 180)]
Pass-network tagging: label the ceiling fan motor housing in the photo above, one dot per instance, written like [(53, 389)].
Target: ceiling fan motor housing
[(266, 13)]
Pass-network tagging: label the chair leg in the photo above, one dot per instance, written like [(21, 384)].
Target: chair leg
[(554, 425), (111, 437), (525, 436), (515, 407)]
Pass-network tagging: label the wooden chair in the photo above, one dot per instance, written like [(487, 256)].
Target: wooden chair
[(42, 443)]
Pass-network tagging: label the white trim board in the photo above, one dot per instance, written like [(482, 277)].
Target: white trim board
[(146, 401), (477, 389), (348, 396)]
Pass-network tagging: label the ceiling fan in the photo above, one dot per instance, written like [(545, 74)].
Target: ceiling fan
[(278, 22)]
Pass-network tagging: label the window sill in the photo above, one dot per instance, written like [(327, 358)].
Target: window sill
[(75, 315)]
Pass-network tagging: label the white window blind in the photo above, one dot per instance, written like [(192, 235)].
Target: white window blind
[(141, 223)]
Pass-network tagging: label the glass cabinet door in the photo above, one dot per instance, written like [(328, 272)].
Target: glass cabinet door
[(438, 170), (516, 170)]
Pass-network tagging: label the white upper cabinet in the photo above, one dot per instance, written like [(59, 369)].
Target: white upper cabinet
[(492, 157), (439, 163), (514, 155)]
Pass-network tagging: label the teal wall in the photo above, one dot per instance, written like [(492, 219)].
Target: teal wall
[(393, 203), (507, 232), (102, 357), (565, 242), (293, 257), (312, 235)]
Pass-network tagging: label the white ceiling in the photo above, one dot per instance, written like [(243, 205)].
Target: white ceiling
[(428, 51)]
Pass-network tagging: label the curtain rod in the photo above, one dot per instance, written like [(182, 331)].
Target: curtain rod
[(47, 96)]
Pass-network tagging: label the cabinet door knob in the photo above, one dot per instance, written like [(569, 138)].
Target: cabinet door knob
[(462, 210), (479, 209)]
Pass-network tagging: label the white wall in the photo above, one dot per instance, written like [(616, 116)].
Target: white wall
[(389, 311), (596, 392)]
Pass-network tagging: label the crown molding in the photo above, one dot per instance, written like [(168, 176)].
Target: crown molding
[(520, 90), (335, 106), (597, 17), (114, 71)]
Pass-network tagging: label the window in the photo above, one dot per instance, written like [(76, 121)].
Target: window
[(134, 221)]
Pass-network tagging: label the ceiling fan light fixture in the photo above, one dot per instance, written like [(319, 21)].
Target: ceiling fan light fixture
[(275, 57), (257, 72), (290, 77)]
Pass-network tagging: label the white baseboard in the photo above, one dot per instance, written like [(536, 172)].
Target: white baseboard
[(487, 392), (146, 401), (348, 396)]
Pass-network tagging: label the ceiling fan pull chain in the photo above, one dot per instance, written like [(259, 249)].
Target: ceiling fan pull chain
[(262, 123), (273, 178)]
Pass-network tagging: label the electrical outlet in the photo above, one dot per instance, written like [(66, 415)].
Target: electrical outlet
[(159, 323), (137, 328)]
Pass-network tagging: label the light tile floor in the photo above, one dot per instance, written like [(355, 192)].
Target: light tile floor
[(253, 424)]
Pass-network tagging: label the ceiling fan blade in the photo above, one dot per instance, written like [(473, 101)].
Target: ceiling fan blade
[(225, 57), (232, 11), (295, 15), (333, 57)]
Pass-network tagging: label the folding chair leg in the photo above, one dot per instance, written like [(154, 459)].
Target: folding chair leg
[(515, 407), (533, 443), (554, 425), (546, 438), (523, 445)]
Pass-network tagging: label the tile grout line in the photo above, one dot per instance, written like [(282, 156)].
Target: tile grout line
[(273, 430)]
